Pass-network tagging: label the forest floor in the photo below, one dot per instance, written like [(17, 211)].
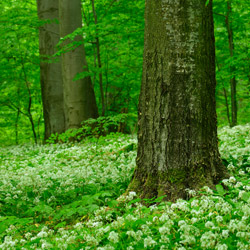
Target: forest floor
[(65, 196)]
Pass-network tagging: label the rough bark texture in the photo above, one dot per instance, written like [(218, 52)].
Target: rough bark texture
[(79, 97), (177, 137), (50, 73)]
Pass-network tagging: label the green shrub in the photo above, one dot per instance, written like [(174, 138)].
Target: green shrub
[(102, 126)]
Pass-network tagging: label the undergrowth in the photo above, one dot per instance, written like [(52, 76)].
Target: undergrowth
[(69, 196)]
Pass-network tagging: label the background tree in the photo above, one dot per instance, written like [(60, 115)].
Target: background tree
[(79, 97), (177, 137), (119, 28), (20, 100), (232, 60), (50, 71), (98, 53), (232, 68)]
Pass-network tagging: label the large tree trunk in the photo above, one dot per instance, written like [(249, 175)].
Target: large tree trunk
[(50, 72), (79, 97), (177, 137)]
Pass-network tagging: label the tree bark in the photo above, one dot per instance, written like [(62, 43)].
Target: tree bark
[(50, 72), (97, 42), (17, 125), (177, 136), (79, 97), (232, 68)]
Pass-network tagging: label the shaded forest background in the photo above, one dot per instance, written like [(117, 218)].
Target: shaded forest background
[(120, 31)]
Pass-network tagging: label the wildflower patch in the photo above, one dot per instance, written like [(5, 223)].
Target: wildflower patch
[(69, 196)]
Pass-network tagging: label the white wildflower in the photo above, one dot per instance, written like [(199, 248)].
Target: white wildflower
[(231, 167), (130, 248), (238, 184), (114, 237), (164, 217), (209, 224), (241, 172), (149, 242), (208, 240), (225, 233), (208, 190), (131, 195), (42, 234), (232, 179), (78, 226), (164, 230), (221, 247), (219, 218)]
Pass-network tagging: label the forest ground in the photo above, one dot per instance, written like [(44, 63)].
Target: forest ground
[(69, 196)]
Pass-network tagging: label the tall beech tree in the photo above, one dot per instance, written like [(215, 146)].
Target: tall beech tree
[(79, 97), (50, 71), (177, 136)]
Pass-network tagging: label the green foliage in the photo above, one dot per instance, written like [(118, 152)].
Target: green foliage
[(239, 62), (120, 30), (19, 66), (102, 126)]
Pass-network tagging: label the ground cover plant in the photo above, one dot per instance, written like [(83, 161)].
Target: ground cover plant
[(70, 196)]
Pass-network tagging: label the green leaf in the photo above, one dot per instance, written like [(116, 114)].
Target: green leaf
[(220, 190), (246, 196)]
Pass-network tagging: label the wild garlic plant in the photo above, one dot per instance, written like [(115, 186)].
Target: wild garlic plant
[(52, 175)]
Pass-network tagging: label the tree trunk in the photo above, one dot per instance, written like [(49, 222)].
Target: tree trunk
[(50, 72), (97, 42), (227, 106), (79, 97), (177, 137), (225, 96), (29, 113), (16, 125), (232, 68)]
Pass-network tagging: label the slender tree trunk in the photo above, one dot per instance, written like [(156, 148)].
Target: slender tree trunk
[(32, 126), (50, 71), (27, 85), (16, 125), (18, 113), (227, 106), (94, 76), (38, 127), (107, 78), (225, 96), (29, 114), (232, 68), (177, 137), (97, 42), (79, 97)]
